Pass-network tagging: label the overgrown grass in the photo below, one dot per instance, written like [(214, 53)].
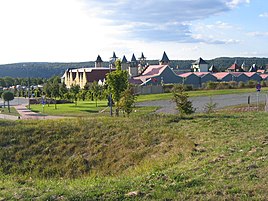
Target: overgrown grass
[(222, 156)]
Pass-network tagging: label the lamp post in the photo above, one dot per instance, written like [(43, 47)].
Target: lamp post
[(28, 85), (110, 95)]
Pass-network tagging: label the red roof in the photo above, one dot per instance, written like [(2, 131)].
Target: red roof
[(221, 75), (185, 74), (236, 74), (250, 74), (264, 76), (151, 71)]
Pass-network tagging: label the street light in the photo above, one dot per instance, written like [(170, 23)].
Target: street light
[(110, 95)]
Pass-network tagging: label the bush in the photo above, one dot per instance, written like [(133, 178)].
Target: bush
[(211, 85), (251, 83), (241, 85), (168, 88)]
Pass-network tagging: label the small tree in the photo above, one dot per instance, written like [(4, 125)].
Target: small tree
[(184, 106), (8, 96), (127, 101), (74, 90), (210, 106), (96, 91)]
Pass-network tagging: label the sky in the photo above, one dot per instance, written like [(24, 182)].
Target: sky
[(80, 30)]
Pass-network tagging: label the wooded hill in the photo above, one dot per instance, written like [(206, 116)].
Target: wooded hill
[(47, 70)]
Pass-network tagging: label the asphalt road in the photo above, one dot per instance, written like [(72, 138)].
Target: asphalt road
[(16, 101), (167, 106)]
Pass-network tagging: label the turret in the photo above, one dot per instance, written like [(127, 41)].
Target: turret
[(98, 62), (133, 68), (165, 60), (124, 63), (113, 59)]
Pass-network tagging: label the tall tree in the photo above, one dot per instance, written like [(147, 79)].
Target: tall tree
[(8, 96), (117, 82)]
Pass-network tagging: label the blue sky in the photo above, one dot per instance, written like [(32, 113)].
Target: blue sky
[(79, 30)]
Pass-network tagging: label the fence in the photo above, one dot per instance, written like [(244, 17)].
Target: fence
[(150, 89)]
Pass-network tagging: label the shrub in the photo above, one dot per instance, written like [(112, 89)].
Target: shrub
[(241, 84), (251, 83), (211, 85), (184, 106)]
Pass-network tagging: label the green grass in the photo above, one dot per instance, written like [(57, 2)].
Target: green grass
[(88, 108), (222, 156), (167, 96), (82, 109), (12, 112)]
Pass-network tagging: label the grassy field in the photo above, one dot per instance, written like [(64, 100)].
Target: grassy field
[(13, 111), (88, 108), (168, 96), (222, 156)]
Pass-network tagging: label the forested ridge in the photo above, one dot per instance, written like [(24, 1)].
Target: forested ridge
[(47, 70)]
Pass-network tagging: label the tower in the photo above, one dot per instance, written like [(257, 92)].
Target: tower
[(112, 60), (133, 68), (165, 60), (98, 62), (124, 63), (142, 59)]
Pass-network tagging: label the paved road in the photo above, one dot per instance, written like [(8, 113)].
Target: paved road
[(20, 105), (167, 106)]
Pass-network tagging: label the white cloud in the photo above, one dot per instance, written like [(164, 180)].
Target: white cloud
[(258, 34), (234, 3), (264, 14)]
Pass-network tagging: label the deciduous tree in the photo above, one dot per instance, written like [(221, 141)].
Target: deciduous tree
[(117, 82)]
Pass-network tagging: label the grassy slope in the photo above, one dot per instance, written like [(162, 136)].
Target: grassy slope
[(223, 156)]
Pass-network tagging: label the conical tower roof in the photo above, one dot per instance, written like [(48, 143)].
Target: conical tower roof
[(99, 59), (133, 59), (165, 58), (114, 57), (124, 60), (142, 57)]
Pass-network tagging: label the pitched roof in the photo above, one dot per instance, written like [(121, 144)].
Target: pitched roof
[(99, 59), (221, 75), (202, 74), (213, 69), (199, 61), (165, 58), (264, 76), (250, 74), (97, 74), (233, 67), (124, 60), (151, 71)]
